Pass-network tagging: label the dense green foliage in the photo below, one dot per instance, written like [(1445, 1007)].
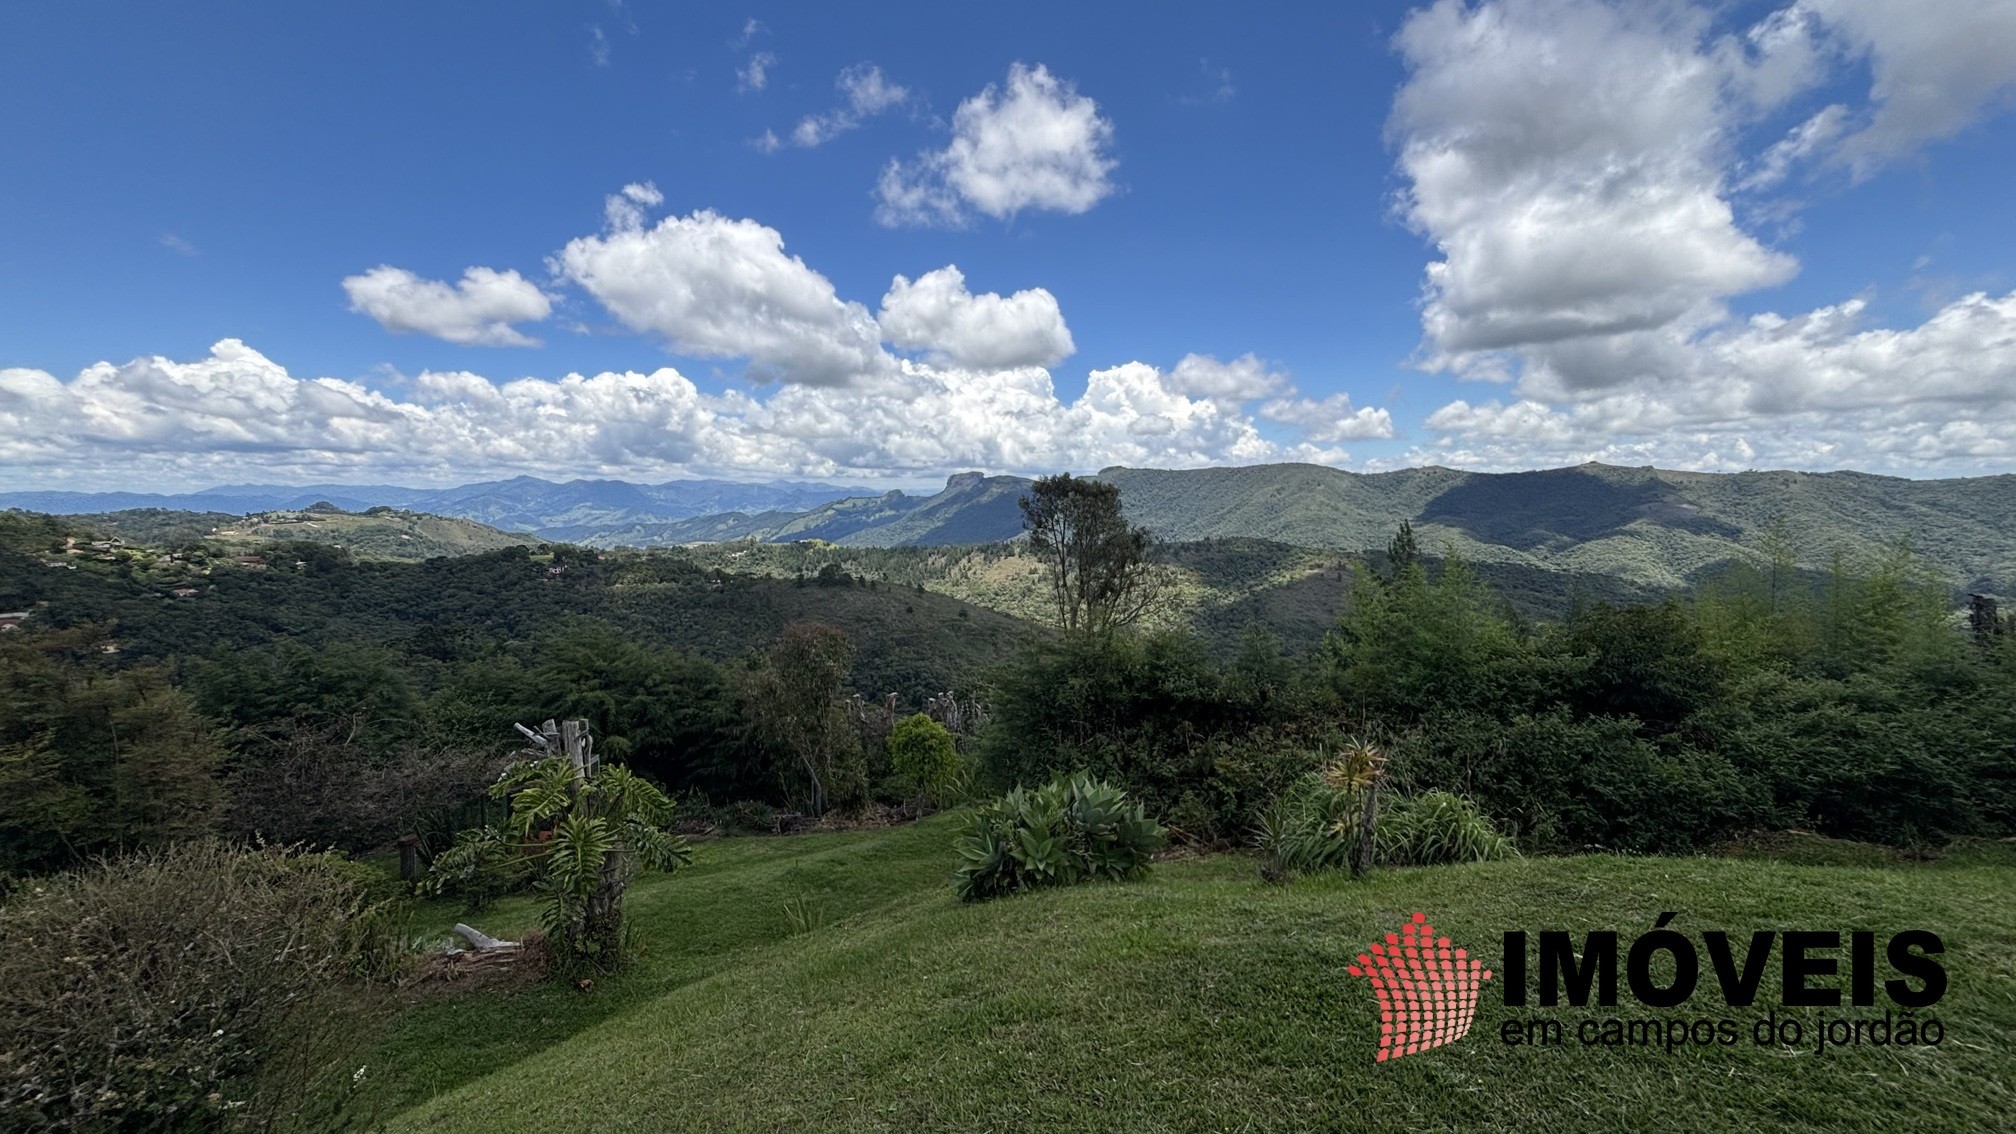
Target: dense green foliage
[(1851, 703), (303, 695), (1435, 827), (1065, 832), (1204, 743), (1341, 817), (1314, 826), (95, 760), (1857, 709), (192, 988), (1856, 705), (922, 752)]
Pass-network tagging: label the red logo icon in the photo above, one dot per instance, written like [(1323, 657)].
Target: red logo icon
[(1427, 991)]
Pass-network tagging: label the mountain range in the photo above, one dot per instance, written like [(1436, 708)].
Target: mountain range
[(521, 504), (1651, 527)]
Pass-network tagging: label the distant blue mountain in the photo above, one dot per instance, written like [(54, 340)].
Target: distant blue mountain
[(523, 504)]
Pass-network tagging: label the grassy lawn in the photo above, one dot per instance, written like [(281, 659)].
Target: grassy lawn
[(1199, 999)]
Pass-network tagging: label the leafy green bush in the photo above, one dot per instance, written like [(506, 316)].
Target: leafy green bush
[(922, 753), (1316, 825), (1585, 783), (1436, 827), (752, 815), (1070, 830), (1199, 743), (182, 988)]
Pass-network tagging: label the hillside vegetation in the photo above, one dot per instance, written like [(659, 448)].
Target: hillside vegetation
[(377, 533), (1646, 527), (1219, 587), (449, 610), (1197, 999), (159, 698)]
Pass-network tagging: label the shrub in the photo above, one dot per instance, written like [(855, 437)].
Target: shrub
[(752, 815), (1330, 816), (921, 752), (178, 988), (1154, 713), (1436, 827), (1595, 782), (1316, 825), (1311, 827), (1070, 830), (315, 783)]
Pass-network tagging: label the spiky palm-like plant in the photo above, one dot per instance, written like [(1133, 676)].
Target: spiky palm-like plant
[(1328, 820), (583, 837)]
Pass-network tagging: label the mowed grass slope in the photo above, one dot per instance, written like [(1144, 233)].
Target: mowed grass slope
[(1198, 999)]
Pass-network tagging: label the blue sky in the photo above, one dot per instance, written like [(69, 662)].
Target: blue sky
[(1614, 192)]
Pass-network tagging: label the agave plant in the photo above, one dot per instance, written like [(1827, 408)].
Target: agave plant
[(1067, 831), (581, 837), (1359, 766)]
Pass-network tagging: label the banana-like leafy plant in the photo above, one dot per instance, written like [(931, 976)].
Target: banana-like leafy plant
[(1068, 831), (581, 837)]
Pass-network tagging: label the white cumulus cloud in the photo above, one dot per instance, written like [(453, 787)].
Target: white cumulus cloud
[(1233, 383), (479, 310), (1035, 144), (1564, 159), (237, 414), (936, 314), (714, 287), (1572, 164), (1330, 419), (1935, 67)]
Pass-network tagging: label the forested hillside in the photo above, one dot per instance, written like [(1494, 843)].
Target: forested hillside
[(375, 533), (1648, 527), (1218, 587), (452, 609), (190, 707)]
